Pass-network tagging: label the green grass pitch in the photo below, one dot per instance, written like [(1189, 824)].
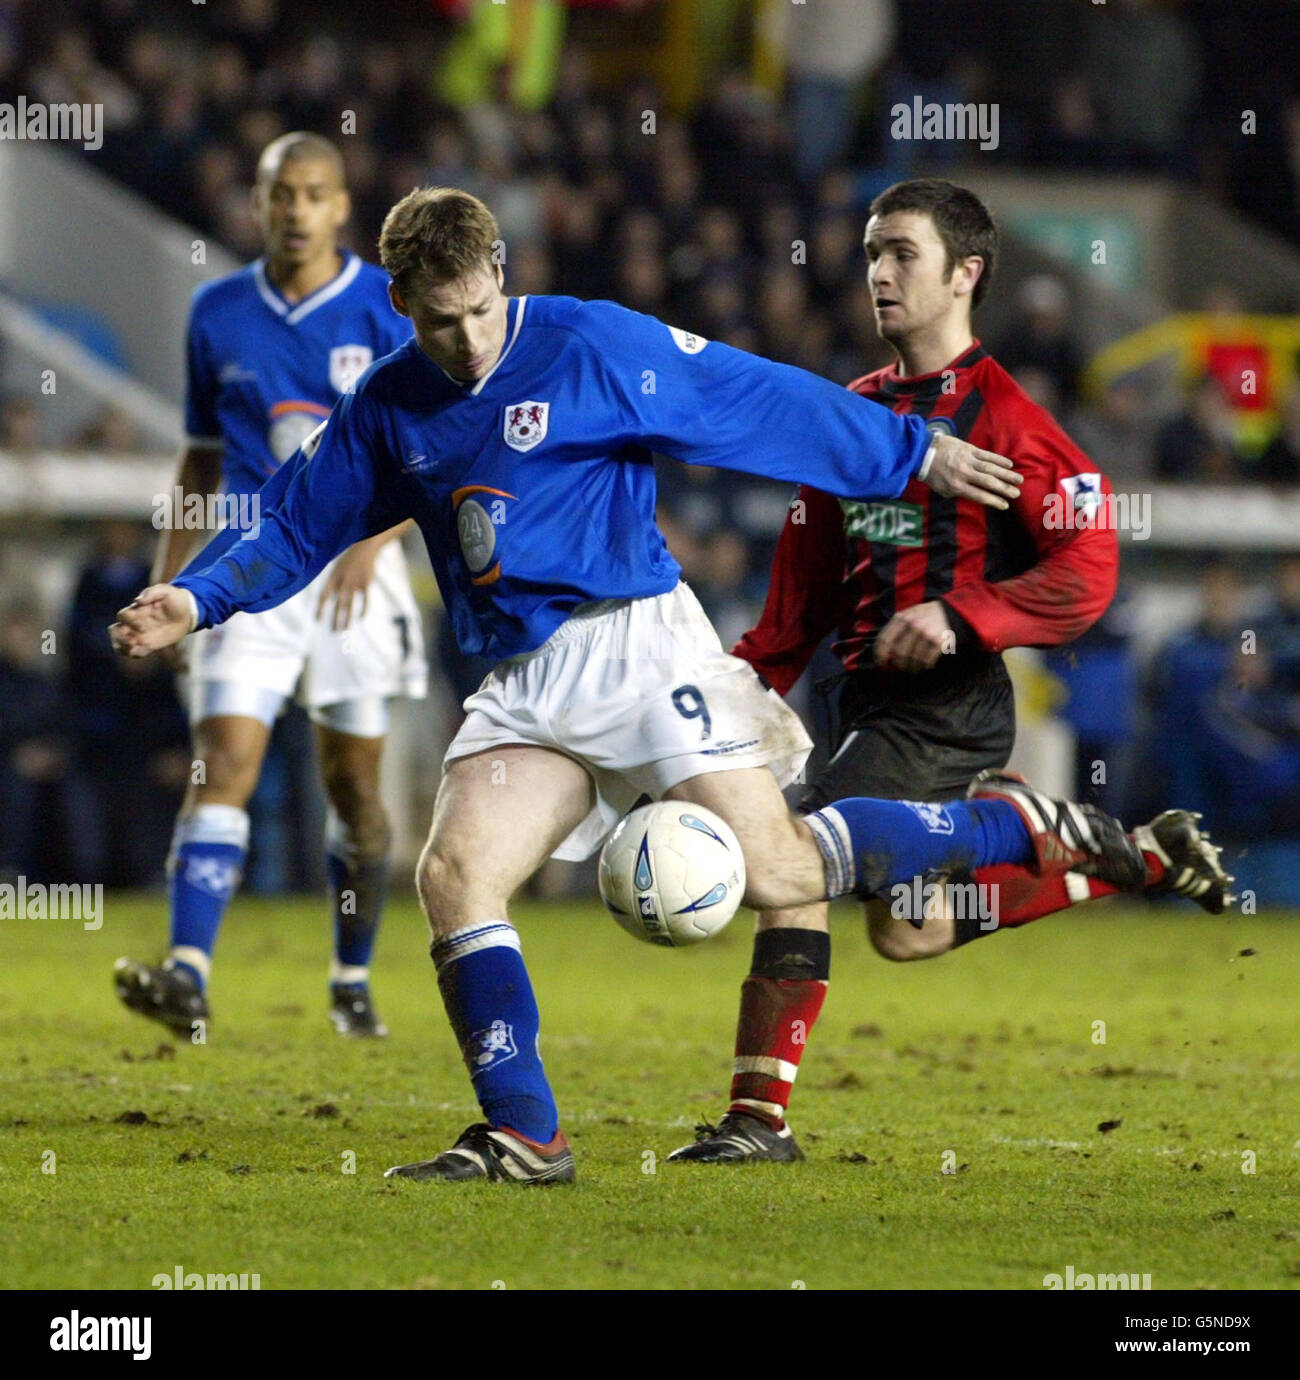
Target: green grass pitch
[(231, 1157)]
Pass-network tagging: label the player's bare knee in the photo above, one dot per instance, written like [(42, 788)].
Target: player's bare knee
[(368, 835), (436, 881), (351, 778), (374, 840), (224, 774), (443, 884), (897, 939), (360, 808), (899, 942)]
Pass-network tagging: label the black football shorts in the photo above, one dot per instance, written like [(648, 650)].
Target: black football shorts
[(918, 737)]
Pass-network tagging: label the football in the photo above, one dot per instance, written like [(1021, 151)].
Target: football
[(672, 873)]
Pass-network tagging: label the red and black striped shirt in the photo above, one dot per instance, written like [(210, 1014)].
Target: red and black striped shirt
[(1024, 577)]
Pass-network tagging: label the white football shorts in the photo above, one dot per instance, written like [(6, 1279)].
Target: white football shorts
[(253, 662), (641, 693)]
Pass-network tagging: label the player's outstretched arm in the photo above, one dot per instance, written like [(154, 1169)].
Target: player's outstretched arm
[(156, 618), (958, 469), (711, 404)]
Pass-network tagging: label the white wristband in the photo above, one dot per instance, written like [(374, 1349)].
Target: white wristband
[(194, 608), (926, 462)]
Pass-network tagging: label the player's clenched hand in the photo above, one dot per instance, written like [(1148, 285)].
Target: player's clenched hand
[(914, 639), (349, 577), (155, 618), (960, 470)]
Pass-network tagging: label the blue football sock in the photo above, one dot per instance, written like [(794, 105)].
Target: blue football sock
[(357, 891), (208, 852), (870, 845), (490, 1004)]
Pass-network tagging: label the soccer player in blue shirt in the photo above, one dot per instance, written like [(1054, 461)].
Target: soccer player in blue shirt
[(271, 348), (517, 433)]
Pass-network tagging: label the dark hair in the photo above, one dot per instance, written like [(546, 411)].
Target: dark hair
[(964, 223)]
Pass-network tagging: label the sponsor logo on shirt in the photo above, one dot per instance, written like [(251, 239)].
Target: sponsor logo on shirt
[(477, 519), (893, 524), (291, 425), (478, 538)]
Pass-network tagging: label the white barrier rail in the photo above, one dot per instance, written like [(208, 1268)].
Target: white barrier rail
[(1179, 517)]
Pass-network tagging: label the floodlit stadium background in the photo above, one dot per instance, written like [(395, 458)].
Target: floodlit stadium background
[(708, 161)]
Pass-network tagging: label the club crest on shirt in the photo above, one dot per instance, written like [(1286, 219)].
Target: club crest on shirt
[(525, 424), (347, 364)]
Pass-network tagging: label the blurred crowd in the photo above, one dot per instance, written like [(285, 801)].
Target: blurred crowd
[(111, 431), (741, 216), (95, 753), (192, 92), (1209, 722)]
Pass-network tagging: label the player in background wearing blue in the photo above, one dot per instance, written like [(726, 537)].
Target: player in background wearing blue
[(518, 432), (271, 349)]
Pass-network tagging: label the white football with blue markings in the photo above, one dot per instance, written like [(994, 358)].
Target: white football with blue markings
[(672, 873)]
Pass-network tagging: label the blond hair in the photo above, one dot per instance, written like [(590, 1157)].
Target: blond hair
[(437, 234)]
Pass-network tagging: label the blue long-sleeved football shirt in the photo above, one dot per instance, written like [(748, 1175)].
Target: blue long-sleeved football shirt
[(533, 487)]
